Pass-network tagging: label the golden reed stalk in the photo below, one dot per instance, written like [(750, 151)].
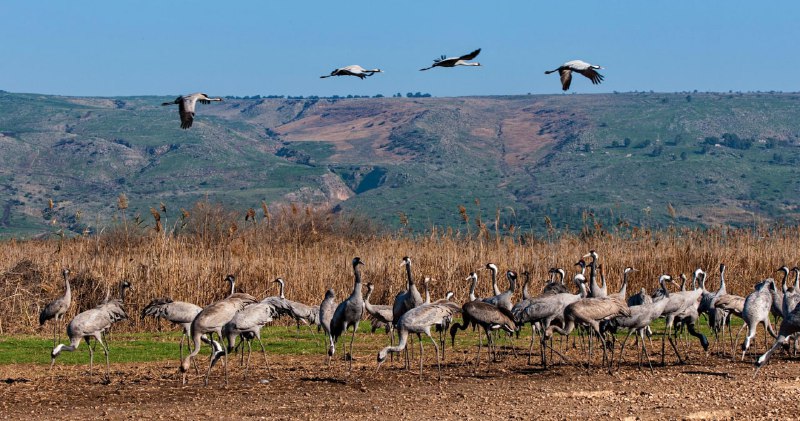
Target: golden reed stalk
[(312, 251)]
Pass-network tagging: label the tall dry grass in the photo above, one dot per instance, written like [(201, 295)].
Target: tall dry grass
[(186, 254)]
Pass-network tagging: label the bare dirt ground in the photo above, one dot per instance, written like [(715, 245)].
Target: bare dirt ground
[(303, 388)]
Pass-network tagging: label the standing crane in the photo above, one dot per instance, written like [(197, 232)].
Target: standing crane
[(211, 320), (348, 313), (57, 308), (186, 106), (177, 312), (419, 320), (326, 310), (487, 316), (91, 324)]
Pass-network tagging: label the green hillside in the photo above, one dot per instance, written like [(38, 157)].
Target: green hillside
[(715, 158)]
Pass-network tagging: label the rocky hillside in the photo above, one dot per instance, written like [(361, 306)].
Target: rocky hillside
[(639, 158)]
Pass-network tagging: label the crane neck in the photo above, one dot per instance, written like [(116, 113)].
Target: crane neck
[(525, 294), (409, 279), (495, 288), (281, 286), (472, 296)]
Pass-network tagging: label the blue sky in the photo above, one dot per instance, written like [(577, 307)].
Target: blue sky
[(161, 47)]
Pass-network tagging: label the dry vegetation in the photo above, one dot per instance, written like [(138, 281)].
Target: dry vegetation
[(186, 257)]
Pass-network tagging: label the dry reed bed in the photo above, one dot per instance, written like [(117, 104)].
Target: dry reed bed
[(191, 266)]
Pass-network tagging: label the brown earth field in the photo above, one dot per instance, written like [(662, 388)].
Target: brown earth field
[(303, 387)]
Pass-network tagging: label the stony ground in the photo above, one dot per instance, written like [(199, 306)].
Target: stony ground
[(302, 387)]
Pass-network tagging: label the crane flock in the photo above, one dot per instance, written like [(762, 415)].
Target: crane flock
[(595, 313), (187, 103)]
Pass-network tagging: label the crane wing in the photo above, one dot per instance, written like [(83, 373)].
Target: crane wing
[(471, 55), (566, 78), (186, 110), (592, 75)]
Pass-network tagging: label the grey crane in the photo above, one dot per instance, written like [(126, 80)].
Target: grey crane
[(790, 326), (419, 320), (638, 322), (473, 278), (91, 324), (504, 299), (527, 279), (546, 309), (756, 310), (487, 316), (326, 310), (595, 291), (491, 267), (57, 308), (590, 312), (382, 313), (247, 324), (408, 299), (348, 313), (353, 70), (791, 294), (555, 286), (578, 66), (301, 313), (211, 320), (177, 312), (186, 106), (444, 61), (379, 313), (681, 307), (642, 297), (623, 290)]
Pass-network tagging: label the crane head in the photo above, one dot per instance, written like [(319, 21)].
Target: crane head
[(65, 272), (230, 279), (629, 270), (406, 261), (581, 263), (357, 261), (492, 267)]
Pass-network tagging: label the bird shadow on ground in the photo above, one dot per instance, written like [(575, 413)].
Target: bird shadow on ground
[(709, 373), (323, 380)]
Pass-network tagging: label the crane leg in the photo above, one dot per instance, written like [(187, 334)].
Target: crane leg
[(478, 358), (419, 339), (436, 348), (105, 351), (675, 348), (646, 355), (352, 339), (249, 354), (91, 354), (530, 348), (264, 351), (622, 348)]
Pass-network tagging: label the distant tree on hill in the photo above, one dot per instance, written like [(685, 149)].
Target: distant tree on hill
[(626, 142)]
